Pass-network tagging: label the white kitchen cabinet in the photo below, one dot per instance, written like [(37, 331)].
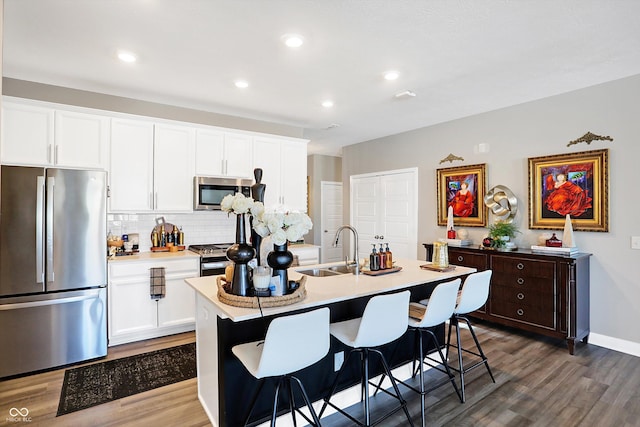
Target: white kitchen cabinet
[(134, 316), (81, 140), (40, 135), (152, 167), (284, 171), (221, 153), (307, 254)]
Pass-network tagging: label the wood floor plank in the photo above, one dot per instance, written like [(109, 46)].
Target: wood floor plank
[(537, 384)]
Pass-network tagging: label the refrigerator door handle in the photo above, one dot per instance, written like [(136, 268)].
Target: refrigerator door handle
[(49, 229), (31, 304), (40, 230)]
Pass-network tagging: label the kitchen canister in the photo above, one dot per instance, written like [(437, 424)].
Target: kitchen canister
[(440, 254)]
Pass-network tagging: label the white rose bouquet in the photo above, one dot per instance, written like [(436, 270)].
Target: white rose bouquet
[(282, 226), (240, 204)]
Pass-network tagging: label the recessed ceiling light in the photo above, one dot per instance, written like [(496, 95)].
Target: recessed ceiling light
[(293, 40), (242, 84), (327, 104), (126, 56), (391, 75)]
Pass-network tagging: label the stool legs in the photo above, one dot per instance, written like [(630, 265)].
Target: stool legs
[(455, 321), (364, 389)]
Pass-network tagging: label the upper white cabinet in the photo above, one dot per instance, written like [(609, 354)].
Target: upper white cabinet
[(43, 136), (284, 171), (221, 153), (152, 167)]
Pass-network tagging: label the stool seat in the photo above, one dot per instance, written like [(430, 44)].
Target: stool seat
[(291, 343)]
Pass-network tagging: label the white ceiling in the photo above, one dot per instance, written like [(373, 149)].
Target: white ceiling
[(459, 57)]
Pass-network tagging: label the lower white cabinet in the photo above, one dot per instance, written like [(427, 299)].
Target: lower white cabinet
[(307, 254), (134, 316)]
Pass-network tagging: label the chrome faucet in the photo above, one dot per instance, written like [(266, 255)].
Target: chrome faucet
[(355, 262)]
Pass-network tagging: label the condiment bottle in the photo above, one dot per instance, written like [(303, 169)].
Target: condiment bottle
[(163, 237), (155, 240), (383, 258), (176, 236), (389, 256), (374, 261), (181, 237)]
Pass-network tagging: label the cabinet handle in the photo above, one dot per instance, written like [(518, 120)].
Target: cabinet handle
[(520, 296), (49, 159), (520, 281), (520, 312), (381, 237), (460, 258), (155, 201), (376, 237), (520, 266), (151, 200), (55, 154)]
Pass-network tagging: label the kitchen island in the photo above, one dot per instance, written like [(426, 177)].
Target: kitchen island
[(225, 388)]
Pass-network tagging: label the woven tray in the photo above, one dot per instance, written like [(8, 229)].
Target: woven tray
[(252, 302)]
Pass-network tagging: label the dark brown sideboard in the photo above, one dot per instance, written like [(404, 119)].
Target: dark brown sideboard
[(546, 294)]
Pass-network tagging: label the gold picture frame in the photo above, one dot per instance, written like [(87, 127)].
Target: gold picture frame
[(469, 209), (576, 184)]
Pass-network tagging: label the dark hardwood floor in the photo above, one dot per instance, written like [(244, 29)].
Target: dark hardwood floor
[(537, 384)]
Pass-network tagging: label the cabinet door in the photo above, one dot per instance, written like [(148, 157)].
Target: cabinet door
[(209, 152), (131, 166), (27, 135), (178, 307), (238, 155), (131, 310), (81, 140), (174, 168), (294, 175), (266, 154)]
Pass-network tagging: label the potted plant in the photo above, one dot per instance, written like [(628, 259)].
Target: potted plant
[(500, 232)]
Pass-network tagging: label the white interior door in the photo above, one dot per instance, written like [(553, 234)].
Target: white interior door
[(384, 210), (331, 220)]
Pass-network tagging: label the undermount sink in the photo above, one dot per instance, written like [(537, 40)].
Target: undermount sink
[(334, 270)]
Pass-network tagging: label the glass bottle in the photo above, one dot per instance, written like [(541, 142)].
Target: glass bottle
[(163, 237), (374, 261), (155, 240), (181, 237), (176, 236), (383, 258), (389, 257)]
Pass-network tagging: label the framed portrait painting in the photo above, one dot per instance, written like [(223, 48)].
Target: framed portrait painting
[(463, 188), (574, 184)]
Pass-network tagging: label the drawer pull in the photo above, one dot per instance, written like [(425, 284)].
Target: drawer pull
[(520, 266), (520, 281), (460, 258), (520, 296), (520, 312)]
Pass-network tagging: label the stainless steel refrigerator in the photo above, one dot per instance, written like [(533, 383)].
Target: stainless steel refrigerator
[(53, 268)]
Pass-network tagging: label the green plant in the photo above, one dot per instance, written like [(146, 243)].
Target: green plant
[(500, 229)]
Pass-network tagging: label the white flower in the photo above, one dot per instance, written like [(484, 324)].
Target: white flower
[(240, 204), (282, 225)]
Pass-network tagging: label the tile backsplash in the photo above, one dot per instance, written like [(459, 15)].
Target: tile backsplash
[(198, 227)]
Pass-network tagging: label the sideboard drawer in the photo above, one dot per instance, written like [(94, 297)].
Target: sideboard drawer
[(523, 267), (468, 259), (523, 297), (539, 316), (523, 283)]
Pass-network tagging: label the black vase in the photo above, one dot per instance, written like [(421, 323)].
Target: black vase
[(279, 260), (241, 253)]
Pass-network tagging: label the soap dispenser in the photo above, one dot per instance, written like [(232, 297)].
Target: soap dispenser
[(374, 261), (383, 258), (389, 256)]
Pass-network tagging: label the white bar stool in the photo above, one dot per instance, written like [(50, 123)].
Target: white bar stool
[(291, 344), (439, 308), (474, 294), (384, 320)]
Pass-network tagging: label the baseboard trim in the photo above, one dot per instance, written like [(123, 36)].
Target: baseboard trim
[(617, 344)]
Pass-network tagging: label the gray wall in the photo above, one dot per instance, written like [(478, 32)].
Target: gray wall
[(533, 129), (62, 95), (320, 168)]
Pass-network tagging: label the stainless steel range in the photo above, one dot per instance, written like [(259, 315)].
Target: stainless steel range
[(213, 258)]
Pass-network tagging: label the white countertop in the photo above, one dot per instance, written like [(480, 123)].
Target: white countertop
[(327, 290), (145, 256)]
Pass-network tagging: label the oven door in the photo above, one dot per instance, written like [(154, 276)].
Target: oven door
[(209, 192), (213, 266)]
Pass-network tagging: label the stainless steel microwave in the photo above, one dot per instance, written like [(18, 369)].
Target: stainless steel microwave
[(208, 192)]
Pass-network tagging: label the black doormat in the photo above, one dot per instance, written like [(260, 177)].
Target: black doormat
[(99, 383)]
